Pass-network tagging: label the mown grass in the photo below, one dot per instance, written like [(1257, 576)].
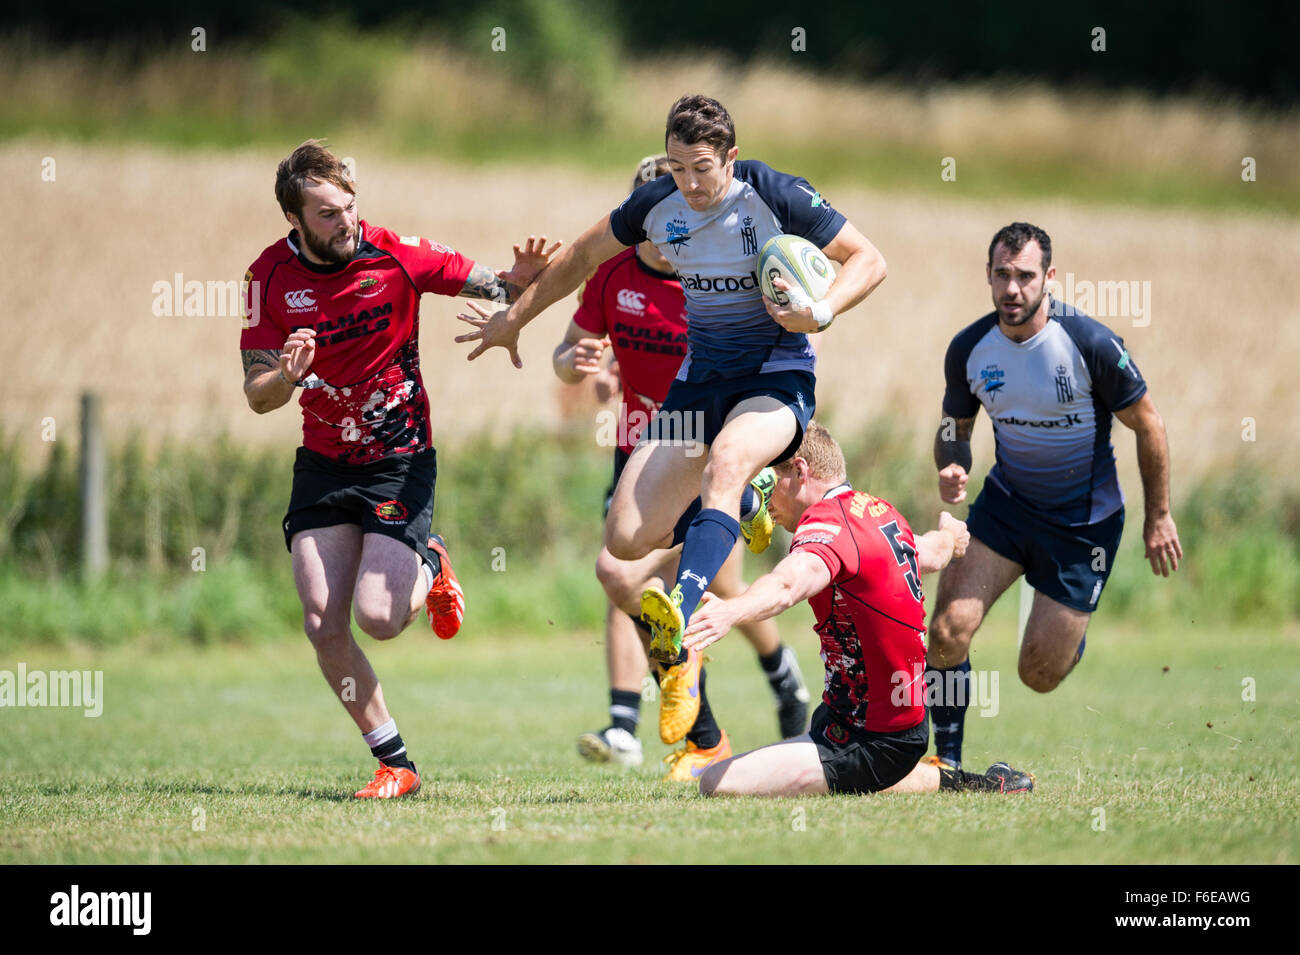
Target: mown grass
[(1147, 754), (564, 91)]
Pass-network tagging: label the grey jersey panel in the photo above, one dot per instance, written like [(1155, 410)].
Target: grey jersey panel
[(715, 255), (1051, 400)]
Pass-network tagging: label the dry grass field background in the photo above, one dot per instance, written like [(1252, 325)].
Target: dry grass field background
[(1222, 343)]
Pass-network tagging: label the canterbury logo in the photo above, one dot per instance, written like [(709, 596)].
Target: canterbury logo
[(299, 299), (635, 301)]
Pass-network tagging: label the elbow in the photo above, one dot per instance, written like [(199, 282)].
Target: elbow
[(562, 370)]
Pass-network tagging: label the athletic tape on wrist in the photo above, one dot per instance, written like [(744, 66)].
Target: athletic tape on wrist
[(822, 312)]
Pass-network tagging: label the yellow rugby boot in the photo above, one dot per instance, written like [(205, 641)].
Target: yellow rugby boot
[(690, 763), (679, 699), (663, 615), (758, 531)]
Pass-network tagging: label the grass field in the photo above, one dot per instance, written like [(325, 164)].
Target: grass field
[(135, 172), (248, 744)]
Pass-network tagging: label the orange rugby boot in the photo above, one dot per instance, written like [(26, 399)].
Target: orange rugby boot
[(390, 782), (446, 601), (690, 763), (679, 697)]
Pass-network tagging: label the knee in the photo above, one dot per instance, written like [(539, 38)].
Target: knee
[(1038, 674), (711, 780), (626, 545), (325, 634), (379, 622), (950, 635), (613, 576)]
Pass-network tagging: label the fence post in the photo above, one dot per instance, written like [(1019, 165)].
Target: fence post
[(93, 473)]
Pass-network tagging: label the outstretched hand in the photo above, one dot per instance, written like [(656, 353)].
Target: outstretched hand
[(530, 259), (712, 621), (492, 330)]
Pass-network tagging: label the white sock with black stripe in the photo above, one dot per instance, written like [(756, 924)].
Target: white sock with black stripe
[(386, 745)]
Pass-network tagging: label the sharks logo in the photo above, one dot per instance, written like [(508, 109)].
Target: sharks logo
[(679, 234), (994, 378)]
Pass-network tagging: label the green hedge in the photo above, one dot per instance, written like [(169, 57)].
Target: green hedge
[(522, 516)]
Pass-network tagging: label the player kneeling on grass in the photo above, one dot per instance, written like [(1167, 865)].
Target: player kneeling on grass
[(854, 558)]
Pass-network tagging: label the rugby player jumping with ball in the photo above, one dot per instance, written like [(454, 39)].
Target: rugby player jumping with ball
[(746, 389)]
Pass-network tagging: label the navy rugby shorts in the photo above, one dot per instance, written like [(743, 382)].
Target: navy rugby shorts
[(709, 403), (1070, 564)]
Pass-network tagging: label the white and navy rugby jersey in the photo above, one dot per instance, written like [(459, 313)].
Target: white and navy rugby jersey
[(715, 255), (1051, 399)]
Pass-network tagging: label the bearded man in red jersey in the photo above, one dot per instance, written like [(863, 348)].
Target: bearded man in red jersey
[(333, 309)]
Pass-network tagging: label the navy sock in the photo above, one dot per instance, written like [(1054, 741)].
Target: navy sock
[(948, 692), (705, 733), (748, 507), (711, 538), (625, 709)]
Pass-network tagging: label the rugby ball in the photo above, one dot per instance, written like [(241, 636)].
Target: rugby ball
[(797, 261)]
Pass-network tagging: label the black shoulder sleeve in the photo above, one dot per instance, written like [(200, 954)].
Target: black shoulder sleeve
[(628, 220), (799, 207), (1115, 376), (958, 400)]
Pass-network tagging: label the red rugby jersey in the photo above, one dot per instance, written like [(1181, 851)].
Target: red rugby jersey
[(872, 616), (367, 319), (644, 314)]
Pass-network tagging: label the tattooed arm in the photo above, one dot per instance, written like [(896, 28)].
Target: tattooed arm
[(484, 283), (504, 287), (269, 379)]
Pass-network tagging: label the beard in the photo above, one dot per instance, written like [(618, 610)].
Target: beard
[(328, 251), (1026, 313)]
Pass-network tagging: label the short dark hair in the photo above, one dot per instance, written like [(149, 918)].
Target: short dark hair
[(310, 161), (1019, 234), (699, 119)]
